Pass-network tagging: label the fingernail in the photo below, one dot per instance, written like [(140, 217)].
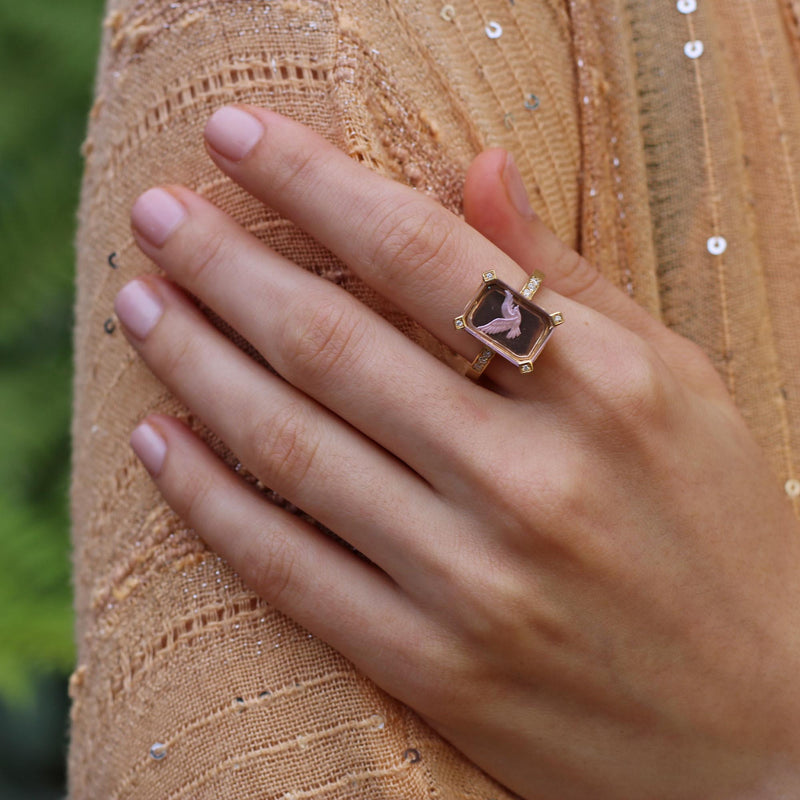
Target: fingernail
[(516, 189), (156, 215), (150, 446), (138, 308), (233, 133)]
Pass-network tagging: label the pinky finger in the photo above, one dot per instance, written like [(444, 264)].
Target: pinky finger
[(293, 566)]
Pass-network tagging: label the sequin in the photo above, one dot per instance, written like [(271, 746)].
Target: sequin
[(693, 49), (494, 30), (158, 751), (717, 245), (448, 13), (792, 487), (687, 6), (532, 103)]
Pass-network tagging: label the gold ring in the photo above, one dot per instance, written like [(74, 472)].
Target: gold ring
[(508, 323)]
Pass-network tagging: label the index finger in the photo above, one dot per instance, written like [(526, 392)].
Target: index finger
[(404, 244)]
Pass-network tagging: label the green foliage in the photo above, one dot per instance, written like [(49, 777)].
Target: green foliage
[(48, 52)]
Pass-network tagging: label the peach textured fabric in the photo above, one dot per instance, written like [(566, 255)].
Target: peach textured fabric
[(660, 139)]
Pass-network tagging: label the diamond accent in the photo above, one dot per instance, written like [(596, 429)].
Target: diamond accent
[(489, 276), (525, 368), (483, 359), (531, 287)]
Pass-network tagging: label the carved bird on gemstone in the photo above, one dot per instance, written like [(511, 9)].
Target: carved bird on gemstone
[(509, 323)]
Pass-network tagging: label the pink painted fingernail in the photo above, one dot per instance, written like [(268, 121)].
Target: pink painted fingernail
[(156, 215), (233, 133), (516, 189), (150, 446), (138, 308)]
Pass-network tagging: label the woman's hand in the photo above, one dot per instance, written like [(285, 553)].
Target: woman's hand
[(586, 579)]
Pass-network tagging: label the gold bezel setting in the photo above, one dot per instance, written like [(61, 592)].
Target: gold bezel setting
[(508, 323)]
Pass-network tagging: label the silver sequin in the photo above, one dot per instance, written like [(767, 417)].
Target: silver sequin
[(693, 49), (717, 245), (532, 103), (687, 6), (494, 30), (158, 751)]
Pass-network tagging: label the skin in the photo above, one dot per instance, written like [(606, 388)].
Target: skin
[(594, 578)]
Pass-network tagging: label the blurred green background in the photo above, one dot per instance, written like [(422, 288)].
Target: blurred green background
[(48, 52)]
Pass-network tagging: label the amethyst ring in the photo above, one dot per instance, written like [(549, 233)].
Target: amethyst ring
[(508, 323)]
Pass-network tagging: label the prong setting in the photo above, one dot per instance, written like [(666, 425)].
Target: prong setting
[(508, 323)]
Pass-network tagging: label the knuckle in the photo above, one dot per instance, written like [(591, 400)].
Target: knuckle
[(178, 358), (644, 389), (636, 394), (193, 497), (410, 240), (285, 448), (296, 171), (438, 675), (498, 609), (206, 255), (325, 336), (506, 608), (268, 566)]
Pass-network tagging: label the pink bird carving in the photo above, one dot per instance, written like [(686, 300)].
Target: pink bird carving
[(509, 323)]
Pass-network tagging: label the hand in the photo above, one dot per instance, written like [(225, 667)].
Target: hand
[(591, 573)]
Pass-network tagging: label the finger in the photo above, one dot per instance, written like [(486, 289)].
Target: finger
[(317, 336), (292, 565), (404, 244), (496, 205), (295, 446)]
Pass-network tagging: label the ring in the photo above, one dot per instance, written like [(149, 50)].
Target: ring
[(506, 322)]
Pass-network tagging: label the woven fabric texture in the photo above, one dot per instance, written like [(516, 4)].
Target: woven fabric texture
[(662, 141)]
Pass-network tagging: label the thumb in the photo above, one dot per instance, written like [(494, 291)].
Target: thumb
[(496, 204)]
